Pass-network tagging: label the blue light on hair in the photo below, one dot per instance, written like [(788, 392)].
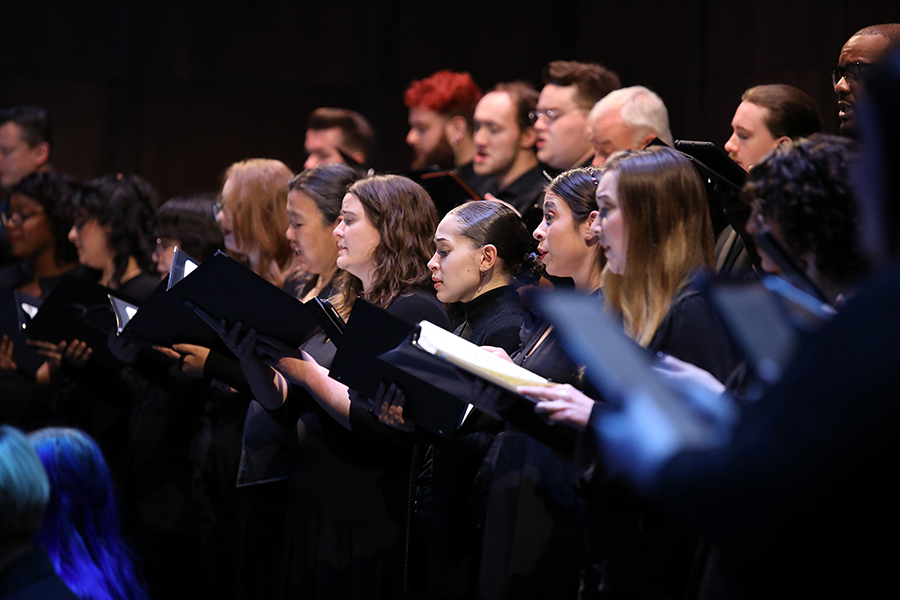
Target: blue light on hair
[(81, 521)]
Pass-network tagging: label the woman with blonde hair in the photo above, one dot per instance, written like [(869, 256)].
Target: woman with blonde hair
[(251, 215), (655, 231), (654, 228)]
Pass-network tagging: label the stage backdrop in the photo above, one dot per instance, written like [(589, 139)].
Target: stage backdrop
[(177, 90)]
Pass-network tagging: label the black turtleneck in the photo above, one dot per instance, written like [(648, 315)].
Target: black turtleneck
[(493, 319)]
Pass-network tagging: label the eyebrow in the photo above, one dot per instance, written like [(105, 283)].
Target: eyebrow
[(440, 239), (549, 204)]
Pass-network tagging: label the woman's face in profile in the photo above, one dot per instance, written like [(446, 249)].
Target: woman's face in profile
[(164, 254), (609, 225), (311, 238), (91, 241), (225, 219), (357, 239), (28, 228), (455, 265), (562, 246)]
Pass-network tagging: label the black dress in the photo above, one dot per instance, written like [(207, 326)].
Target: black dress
[(349, 494), (532, 541), (635, 551), (447, 527)]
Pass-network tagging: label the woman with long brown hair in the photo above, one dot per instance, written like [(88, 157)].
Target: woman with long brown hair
[(348, 510)]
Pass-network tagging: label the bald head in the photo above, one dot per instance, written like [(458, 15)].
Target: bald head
[(889, 31), (868, 46)]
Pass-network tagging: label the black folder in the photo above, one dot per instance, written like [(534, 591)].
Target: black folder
[(723, 179), (77, 309), (713, 163), (328, 319), (222, 288), (163, 320), (27, 358), (436, 394), (183, 264), (370, 331), (376, 347)]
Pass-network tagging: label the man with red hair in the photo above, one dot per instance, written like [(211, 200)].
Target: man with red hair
[(441, 113)]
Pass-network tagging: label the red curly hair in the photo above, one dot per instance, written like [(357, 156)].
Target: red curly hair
[(445, 92)]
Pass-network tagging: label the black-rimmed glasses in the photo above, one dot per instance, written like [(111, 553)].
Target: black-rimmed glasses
[(852, 72), (17, 218)]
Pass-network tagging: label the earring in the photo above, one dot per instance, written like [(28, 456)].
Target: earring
[(482, 273), (588, 236)]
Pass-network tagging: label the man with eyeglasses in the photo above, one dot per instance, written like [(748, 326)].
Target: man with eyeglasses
[(560, 120), (866, 47)]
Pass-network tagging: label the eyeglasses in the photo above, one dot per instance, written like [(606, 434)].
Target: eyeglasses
[(852, 72), (217, 208), (551, 114), (17, 218)]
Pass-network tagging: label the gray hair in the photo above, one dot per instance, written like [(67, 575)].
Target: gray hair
[(639, 108), (24, 488)]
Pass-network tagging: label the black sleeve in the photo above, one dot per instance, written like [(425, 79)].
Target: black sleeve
[(420, 306), (691, 332), (228, 371)]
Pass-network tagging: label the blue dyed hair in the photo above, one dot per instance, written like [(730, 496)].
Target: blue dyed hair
[(81, 521)]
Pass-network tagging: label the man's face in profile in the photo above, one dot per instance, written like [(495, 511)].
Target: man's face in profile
[(497, 134), (862, 49), (428, 139), (321, 146), (17, 158), (561, 126)]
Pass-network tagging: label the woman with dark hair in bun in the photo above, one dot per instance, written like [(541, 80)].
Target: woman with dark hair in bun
[(531, 528), (483, 252)]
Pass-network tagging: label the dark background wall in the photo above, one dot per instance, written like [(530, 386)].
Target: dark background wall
[(178, 90)]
